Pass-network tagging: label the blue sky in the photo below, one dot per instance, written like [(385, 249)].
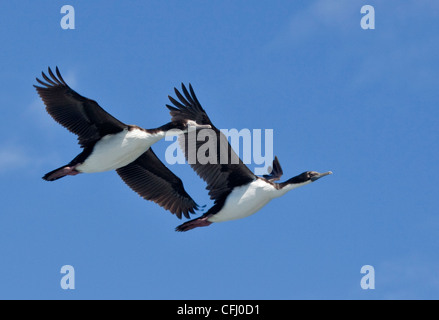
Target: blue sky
[(362, 103)]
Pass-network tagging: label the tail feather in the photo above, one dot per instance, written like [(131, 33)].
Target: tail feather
[(56, 174)]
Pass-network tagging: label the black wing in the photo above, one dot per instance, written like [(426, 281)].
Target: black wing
[(81, 116), (152, 180), (275, 171), (228, 170)]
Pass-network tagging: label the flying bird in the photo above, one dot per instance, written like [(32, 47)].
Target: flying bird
[(237, 192), (109, 144)]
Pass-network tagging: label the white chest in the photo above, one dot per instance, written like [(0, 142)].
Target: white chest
[(245, 201), (117, 150)]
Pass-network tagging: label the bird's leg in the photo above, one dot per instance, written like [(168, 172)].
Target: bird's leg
[(62, 172), (199, 222), (69, 171)]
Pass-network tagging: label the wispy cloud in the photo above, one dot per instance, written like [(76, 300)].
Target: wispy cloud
[(343, 17), (36, 111), (317, 18), (408, 277), (334, 26), (15, 156), (12, 157)]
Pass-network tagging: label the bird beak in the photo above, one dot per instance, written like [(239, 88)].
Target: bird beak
[(320, 175)]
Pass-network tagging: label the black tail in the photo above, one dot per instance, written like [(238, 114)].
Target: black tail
[(275, 172), (55, 174)]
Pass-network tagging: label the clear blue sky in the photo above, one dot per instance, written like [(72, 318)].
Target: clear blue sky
[(362, 103)]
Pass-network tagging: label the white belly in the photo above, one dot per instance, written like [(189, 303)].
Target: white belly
[(245, 201), (117, 150)]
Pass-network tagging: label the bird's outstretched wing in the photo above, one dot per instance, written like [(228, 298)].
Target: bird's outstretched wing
[(80, 115), (152, 180), (227, 169)]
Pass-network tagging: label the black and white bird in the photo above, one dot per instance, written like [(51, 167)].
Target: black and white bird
[(237, 192), (109, 144)]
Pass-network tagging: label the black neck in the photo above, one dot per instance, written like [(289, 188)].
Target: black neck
[(167, 127), (301, 178)]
